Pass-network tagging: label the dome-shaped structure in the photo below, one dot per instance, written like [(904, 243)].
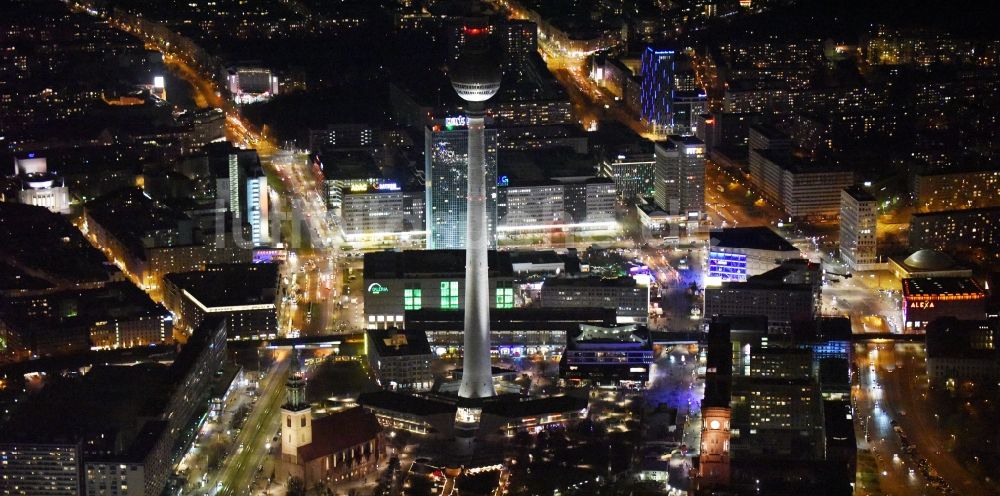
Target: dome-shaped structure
[(929, 260), (475, 76)]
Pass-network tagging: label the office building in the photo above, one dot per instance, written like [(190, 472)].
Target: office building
[(739, 252), (244, 294), (632, 170), (400, 358), (679, 178), (802, 189), (413, 279), (658, 87), (858, 236), (259, 209), (927, 299), (560, 205), (975, 232), (629, 299), (445, 172), (382, 213), (346, 136)]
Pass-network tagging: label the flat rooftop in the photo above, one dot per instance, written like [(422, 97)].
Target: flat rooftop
[(230, 285), (430, 263), (750, 238), (964, 287)]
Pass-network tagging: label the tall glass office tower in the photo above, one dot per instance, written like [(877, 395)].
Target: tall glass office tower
[(446, 165)]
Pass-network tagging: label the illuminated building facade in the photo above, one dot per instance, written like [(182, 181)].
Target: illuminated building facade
[(252, 84), (608, 356), (858, 219), (962, 353), (38, 186), (243, 293), (446, 169), (739, 252), (938, 191), (395, 282), (927, 299), (40, 469), (658, 87), (373, 214), (632, 170), (975, 231), (400, 358), (679, 178)]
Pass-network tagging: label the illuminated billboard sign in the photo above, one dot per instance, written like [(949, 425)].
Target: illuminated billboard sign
[(453, 122), (376, 288)]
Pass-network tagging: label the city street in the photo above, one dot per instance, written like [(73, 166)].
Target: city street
[(892, 388)]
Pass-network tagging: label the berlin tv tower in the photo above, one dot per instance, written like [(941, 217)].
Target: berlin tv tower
[(476, 78)]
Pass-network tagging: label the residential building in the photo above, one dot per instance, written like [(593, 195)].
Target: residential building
[(956, 190), (858, 233), (975, 231), (962, 353)]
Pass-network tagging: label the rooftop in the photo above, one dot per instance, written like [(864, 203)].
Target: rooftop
[(942, 286), (338, 431), (750, 238), (399, 342), (859, 193), (429, 263), (39, 245), (230, 284), (929, 260), (590, 282)]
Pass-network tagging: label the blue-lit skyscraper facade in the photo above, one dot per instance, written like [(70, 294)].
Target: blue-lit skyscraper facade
[(445, 169), (657, 88)]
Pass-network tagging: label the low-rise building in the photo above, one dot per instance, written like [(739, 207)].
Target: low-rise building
[(740, 252), (927, 299), (397, 281), (614, 356), (927, 263), (629, 299), (244, 294), (401, 358)]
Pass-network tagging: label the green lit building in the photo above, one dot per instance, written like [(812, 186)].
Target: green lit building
[(397, 281)]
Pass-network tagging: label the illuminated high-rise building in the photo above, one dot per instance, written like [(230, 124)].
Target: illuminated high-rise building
[(446, 155)]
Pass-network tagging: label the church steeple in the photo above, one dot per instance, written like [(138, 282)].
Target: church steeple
[(296, 425)]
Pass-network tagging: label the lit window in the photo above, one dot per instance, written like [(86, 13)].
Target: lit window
[(449, 295)]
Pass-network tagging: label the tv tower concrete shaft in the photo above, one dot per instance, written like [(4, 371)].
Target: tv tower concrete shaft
[(477, 375)]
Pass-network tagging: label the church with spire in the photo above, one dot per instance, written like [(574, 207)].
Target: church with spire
[(330, 448)]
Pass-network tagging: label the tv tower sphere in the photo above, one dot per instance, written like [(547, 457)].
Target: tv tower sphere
[(475, 75)]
